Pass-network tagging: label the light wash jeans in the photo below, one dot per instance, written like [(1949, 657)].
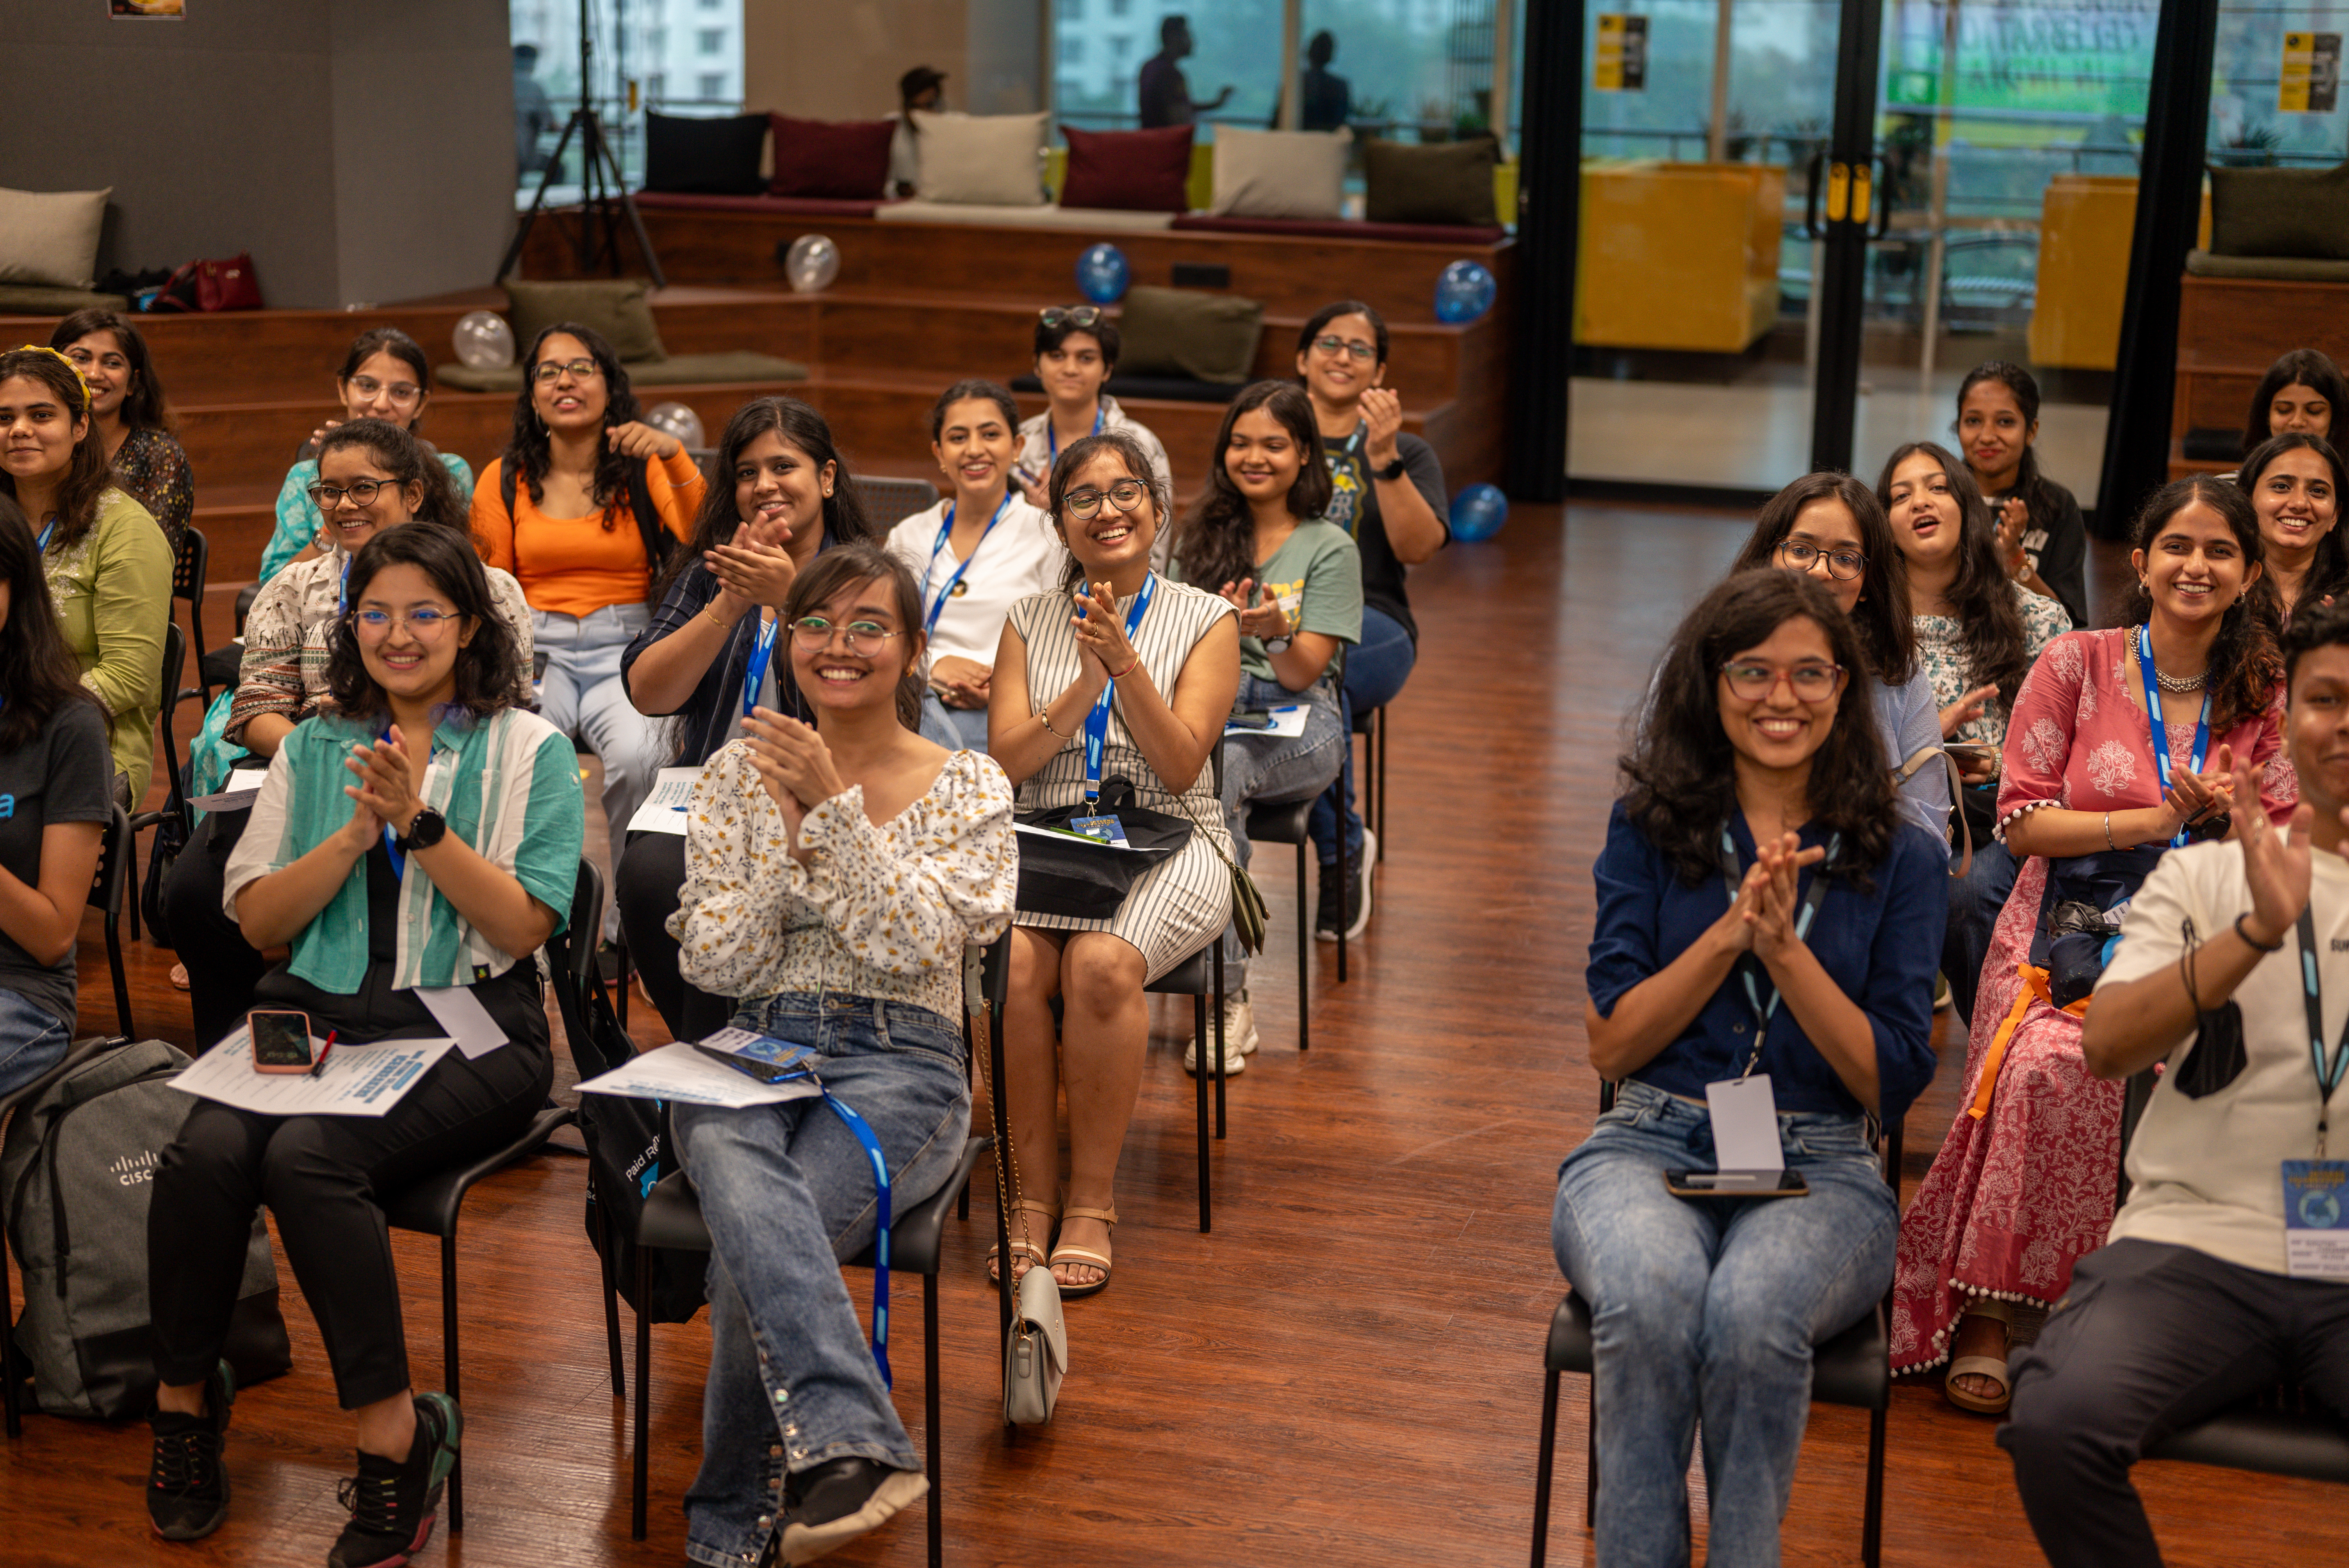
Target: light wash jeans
[(1267, 769), (583, 698), (1375, 672), (787, 1193), (956, 728), (32, 1041), (1707, 1308)]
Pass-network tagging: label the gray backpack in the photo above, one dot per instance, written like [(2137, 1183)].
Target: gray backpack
[(75, 1170)]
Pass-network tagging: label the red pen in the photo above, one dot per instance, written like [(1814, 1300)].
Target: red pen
[(327, 1046)]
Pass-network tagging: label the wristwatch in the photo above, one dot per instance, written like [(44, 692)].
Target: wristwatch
[(424, 831), (1393, 471), (1278, 644)]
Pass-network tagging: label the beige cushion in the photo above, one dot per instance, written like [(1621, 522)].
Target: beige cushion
[(2280, 212), (616, 307), (988, 159), (1207, 337), (1280, 173), (49, 238)]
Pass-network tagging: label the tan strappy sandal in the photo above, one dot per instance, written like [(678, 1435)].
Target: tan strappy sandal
[(1023, 1242), (1084, 1255), (1991, 1367)]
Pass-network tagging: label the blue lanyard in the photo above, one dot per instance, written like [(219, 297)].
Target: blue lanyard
[(1809, 909), (945, 532), (864, 1135), (1097, 721), (2160, 731), (391, 839), (1053, 437), (41, 545), (343, 593), (761, 656), (2328, 1073)]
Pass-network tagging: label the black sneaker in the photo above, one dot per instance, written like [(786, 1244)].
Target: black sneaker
[(393, 1502), (187, 1489), (826, 1508), (1357, 900)]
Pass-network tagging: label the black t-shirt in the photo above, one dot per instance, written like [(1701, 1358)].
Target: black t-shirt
[(1354, 507), (65, 774)]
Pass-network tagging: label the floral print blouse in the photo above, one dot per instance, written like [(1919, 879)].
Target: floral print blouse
[(878, 911), (1942, 650), (150, 465)]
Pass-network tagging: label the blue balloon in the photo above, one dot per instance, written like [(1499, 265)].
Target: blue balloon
[(1101, 273), (1478, 512), (1464, 293)]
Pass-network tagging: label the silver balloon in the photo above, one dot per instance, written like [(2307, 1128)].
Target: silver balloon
[(484, 340), (811, 263), (676, 420)]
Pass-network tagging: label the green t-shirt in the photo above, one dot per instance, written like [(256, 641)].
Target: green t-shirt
[(1317, 575)]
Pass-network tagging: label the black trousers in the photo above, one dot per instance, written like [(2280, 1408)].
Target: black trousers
[(320, 1176), (650, 874), (222, 967), (2149, 1339)]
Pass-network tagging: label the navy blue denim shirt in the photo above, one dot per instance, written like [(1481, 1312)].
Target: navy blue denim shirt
[(1880, 946)]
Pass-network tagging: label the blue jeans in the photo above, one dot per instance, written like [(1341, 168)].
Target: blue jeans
[(1375, 671), (32, 1041), (583, 698), (956, 728), (1975, 899), (1271, 768), (1707, 1308), (787, 1193)]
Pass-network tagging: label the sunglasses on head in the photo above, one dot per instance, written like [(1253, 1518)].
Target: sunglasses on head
[(1070, 315)]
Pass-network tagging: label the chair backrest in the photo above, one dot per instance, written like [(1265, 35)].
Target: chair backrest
[(175, 664), (113, 865), (888, 503), (595, 1039), (2136, 1095), (189, 569)]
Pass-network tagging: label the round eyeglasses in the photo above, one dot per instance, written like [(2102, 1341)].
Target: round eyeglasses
[(1842, 564), (1124, 496)]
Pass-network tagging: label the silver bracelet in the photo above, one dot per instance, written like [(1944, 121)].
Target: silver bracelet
[(2109, 833)]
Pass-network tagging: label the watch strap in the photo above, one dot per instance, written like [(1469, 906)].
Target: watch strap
[(426, 828), (1393, 471)]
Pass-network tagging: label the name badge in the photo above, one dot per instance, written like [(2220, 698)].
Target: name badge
[(1107, 828), (1745, 1125), (2316, 1219)]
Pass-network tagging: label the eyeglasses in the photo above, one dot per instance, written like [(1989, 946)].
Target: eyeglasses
[(1752, 680), (401, 393), (1124, 495), (580, 370), (326, 498), (1332, 344), (813, 631), (424, 623), (1070, 315), (1842, 564)]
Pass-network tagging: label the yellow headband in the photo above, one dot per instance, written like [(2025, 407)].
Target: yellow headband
[(79, 379)]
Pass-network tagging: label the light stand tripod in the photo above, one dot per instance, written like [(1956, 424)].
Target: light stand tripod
[(603, 195)]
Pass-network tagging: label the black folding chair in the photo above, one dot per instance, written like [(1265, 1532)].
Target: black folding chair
[(106, 896), (189, 569), (891, 501), (175, 803), (1371, 724)]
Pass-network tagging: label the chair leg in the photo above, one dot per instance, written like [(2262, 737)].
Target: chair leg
[(1220, 1041), (8, 1370), (1345, 880), (1379, 735), (1590, 1460), (1871, 1530), (930, 1409), (130, 881), (620, 968), (1199, 1093), (1304, 950), (449, 1370), (121, 986), (1542, 1463), (611, 1301), (644, 1402)]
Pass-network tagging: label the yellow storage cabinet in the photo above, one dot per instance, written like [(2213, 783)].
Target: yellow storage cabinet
[(1678, 255), (2088, 223)]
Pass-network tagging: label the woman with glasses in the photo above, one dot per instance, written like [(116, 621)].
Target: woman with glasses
[(585, 506), (2042, 540), (373, 477), (835, 872), (709, 656), (127, 402), (1148, 668), (424, 833), (1076, 353), (1387, 491), (1767, 923), (2120, 747), (976, 554), (1260, 538)]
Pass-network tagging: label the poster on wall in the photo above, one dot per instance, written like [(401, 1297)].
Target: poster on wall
[(1621, 62), (2310, 82), (148, 10)]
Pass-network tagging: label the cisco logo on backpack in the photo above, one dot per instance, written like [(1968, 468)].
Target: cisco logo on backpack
[(133, 1169)]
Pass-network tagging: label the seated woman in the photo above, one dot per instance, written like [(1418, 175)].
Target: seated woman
[(1387, 491), (1978, 632), (108, 563), (1154, 665), (834, 873), (1259, 538), (2091, 794), (127, 403), (966, 593), (59, 783), (373, 477), (790, 498), (2295, 482), (1076, 353), (1765, 908), (426, 833), (1830, 526), (2301, 394), (2041, 536), (586, 506)]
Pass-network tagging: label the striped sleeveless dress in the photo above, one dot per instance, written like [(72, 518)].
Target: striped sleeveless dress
[(1184, 902)]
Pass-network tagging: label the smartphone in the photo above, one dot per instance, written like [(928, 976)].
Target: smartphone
[(281, 1042), (1970, 750), (1736, 1184), (767, 1060), (1250, 718)]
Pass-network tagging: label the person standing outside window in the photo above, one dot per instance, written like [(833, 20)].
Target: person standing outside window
[(1165, 93)]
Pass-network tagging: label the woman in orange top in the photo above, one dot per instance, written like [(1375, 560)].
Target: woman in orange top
[(583, 506)]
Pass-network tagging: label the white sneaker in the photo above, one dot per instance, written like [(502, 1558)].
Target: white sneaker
[(1240, 1038)]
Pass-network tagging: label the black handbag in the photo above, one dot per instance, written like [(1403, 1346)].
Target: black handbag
[(1064, 873)]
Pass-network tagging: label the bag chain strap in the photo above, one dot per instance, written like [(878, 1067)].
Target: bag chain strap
[(984, 1014)]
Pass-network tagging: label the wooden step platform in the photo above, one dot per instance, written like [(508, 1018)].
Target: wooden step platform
[(2230, 330)]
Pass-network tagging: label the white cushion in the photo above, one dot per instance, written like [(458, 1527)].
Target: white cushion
[(1280, 173), (922, 211), (986, 158), (50, 237)]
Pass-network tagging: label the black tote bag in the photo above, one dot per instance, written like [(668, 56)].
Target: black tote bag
[(1084, 879)]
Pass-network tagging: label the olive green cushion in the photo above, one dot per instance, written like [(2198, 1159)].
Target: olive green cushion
[(1188, 331), (35, 299), (2280, 212), (1441, 182), (614, 307), (677, 370)]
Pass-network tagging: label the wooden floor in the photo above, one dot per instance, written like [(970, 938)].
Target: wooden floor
[(1347, 1370)]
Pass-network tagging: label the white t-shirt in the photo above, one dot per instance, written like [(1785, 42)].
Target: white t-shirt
[(1020, 555), (2205, 1173)]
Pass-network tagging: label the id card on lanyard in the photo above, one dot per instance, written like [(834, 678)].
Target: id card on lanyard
[(2316, 1191), (1744, 1111), (1097, 721), (945, 532), (2160, 731)]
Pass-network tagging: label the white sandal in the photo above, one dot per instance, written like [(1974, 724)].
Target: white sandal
[(1991, 1367)]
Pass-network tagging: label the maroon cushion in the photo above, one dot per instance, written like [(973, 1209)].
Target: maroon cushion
[(847, 160), (1343, 229), (1140, 171)]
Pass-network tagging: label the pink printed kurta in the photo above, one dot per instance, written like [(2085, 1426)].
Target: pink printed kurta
[(2018, 1196)]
